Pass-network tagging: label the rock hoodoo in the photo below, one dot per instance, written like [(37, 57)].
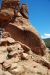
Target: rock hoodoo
[(22, 51)]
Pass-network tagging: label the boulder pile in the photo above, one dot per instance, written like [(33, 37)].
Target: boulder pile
[(18, 59)]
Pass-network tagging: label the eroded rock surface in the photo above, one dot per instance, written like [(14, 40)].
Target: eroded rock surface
[(14, 19), (18, 59), (22, 51)]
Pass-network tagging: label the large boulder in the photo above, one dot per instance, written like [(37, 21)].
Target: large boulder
[(22, 31)]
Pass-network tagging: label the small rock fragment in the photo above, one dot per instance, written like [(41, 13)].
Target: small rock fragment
[(12, 53), (16, 59), (24, 56), (17, 70), (13, 66), (7, 63)]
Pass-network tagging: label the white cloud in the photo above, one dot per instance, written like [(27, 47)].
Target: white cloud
[(45, 36)]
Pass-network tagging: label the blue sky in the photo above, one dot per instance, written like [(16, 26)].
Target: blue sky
[(39, 15)]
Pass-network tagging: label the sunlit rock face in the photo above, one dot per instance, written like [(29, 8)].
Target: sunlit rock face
[(14, 19), (22, 51), (17, 58), (22, 31)]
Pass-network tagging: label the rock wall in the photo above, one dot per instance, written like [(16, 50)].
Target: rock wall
[(22, 31), (17, 58), (22, 51)]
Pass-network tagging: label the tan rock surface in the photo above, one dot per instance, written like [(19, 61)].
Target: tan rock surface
[(22, 51), (3, 57), (21, 32), (19, 59), (19, 26)]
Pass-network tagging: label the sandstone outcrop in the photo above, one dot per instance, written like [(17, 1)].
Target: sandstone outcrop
[(22, 51), (17, 58), (22, 31), (20, 28)]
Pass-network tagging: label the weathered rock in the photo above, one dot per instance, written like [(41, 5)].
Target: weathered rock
[(34, 41), (7, 41), (24, 10), (24, 56), (31, 65), (13, 66), (18, 70), (12, 54), (48, 72), (41, 60), (5, 35), (10, 3), (45, 62), (3, 57), (22, 51), (3, 49), (19, 27), (7, 64), (7, 73), (18, 14), (1, 72), (15, 59), (15, 47), (25, 47), (47, 54)]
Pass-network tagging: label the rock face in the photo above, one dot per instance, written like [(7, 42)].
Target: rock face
[(22, 51), (18, 59), (15, 21), (26, 34)]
